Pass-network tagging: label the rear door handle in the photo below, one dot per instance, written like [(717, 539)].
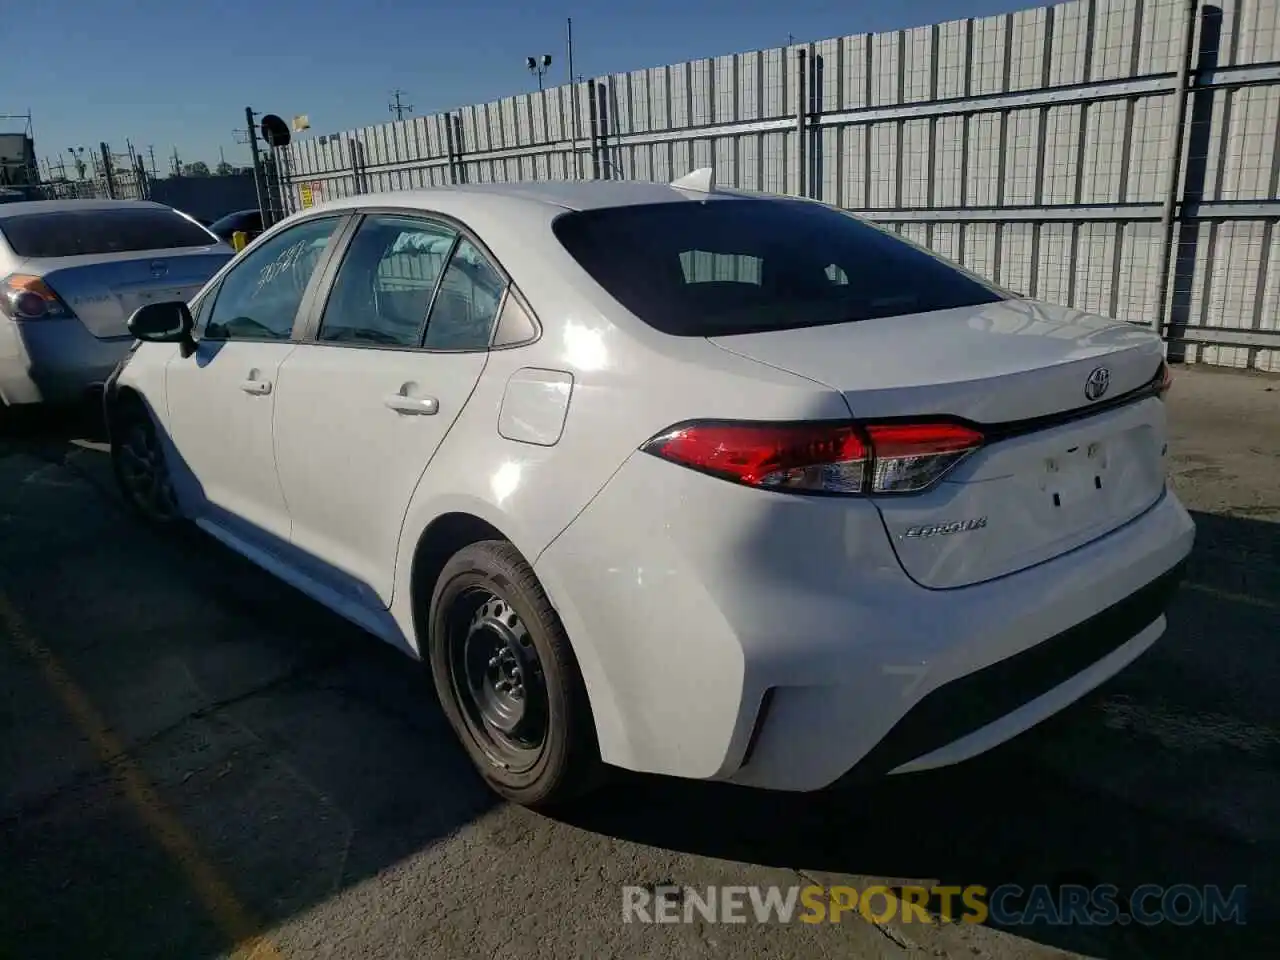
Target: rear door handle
[(425, 406), (258, 387)]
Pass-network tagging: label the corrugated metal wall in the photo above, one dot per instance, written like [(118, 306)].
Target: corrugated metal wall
[(1034, 147)]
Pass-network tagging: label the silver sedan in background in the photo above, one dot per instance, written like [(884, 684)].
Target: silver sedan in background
[(71, 274)]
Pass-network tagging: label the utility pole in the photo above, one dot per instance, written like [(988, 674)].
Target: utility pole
[(151, 152), (398, 108), (177, 162)]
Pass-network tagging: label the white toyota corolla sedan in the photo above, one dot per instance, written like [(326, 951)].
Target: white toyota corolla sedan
[(670, 478)]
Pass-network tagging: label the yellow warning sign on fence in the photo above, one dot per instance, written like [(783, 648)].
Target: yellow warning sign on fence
[(308, 196)]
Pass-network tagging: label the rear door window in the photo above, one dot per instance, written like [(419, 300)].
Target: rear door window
[(737, 265), (385, 284), (76, 233)]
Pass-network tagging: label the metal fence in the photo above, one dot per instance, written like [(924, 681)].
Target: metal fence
[(120, 185), (1121, 156)]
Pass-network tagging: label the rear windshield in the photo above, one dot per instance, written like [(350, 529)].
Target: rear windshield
[(75, 233), (745, 265)]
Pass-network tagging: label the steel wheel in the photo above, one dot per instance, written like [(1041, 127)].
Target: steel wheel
[(143, 472), (498, 680)]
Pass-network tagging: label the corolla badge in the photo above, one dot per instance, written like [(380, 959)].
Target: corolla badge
[(1097, 383), (159, 268), (945, 529)]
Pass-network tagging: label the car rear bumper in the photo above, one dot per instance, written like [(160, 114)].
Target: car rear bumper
[(774, 640), (54, 361)]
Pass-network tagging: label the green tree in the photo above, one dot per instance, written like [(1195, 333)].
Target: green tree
[(224, 169), (197, 169)]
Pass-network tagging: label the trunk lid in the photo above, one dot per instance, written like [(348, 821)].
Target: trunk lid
[(1053, 476), (104, 290)]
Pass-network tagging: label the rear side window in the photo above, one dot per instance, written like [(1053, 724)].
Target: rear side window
[(86, 232), (745, 265), (466, 304)]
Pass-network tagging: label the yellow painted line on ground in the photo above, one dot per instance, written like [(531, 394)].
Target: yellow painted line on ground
[(215, 895), (1234, 597)]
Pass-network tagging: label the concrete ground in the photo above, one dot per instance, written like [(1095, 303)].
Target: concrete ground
[(195, 760)]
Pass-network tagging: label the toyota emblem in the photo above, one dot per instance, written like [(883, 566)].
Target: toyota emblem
[(159, 268), (1096, 386)]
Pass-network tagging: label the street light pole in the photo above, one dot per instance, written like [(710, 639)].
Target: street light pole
[(538, 66), (573, 98)]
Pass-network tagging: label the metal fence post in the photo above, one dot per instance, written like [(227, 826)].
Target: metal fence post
[(593, 103), (264, 208), (606, 153), (107, 172), (450, 147), (357, 165), (459, 145), (1167, 222), (801, 110)]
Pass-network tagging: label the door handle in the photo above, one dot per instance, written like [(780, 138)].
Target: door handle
[(257, 387), (419, 405)]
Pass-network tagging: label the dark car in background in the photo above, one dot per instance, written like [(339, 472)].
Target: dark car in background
[(248, 221)]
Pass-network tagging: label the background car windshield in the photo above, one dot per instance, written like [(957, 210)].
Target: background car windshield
[(745, 265), (240, 220), (86, 232)]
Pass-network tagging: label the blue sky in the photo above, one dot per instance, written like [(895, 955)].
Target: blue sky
[(180, 72)]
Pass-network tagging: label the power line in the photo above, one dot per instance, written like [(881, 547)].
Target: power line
[(398, 108)]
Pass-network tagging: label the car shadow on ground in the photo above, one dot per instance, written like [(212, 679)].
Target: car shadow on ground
[(347, 768)]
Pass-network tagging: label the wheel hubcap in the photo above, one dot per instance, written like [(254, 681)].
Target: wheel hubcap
[(146, 476), (499, 679)]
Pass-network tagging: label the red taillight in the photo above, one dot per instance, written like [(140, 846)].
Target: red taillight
[(1165, 380), (813, 456), (24, 297), (820, 457)]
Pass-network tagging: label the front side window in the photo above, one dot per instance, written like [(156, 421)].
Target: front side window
[(465, 307), (259, 297), (735, 265), (386, 281)]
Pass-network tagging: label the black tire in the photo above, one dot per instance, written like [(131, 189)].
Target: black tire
[(538, 749), (141, 471)]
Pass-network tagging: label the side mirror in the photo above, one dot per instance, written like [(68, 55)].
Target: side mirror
[(168, 322)]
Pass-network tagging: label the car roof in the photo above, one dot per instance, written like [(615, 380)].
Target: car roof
[(564, 194), (24, 207)]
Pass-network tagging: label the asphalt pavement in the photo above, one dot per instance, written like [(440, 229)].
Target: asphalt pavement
[(196, 761)]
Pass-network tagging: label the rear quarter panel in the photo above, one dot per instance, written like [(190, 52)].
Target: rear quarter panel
[(629, 383)]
